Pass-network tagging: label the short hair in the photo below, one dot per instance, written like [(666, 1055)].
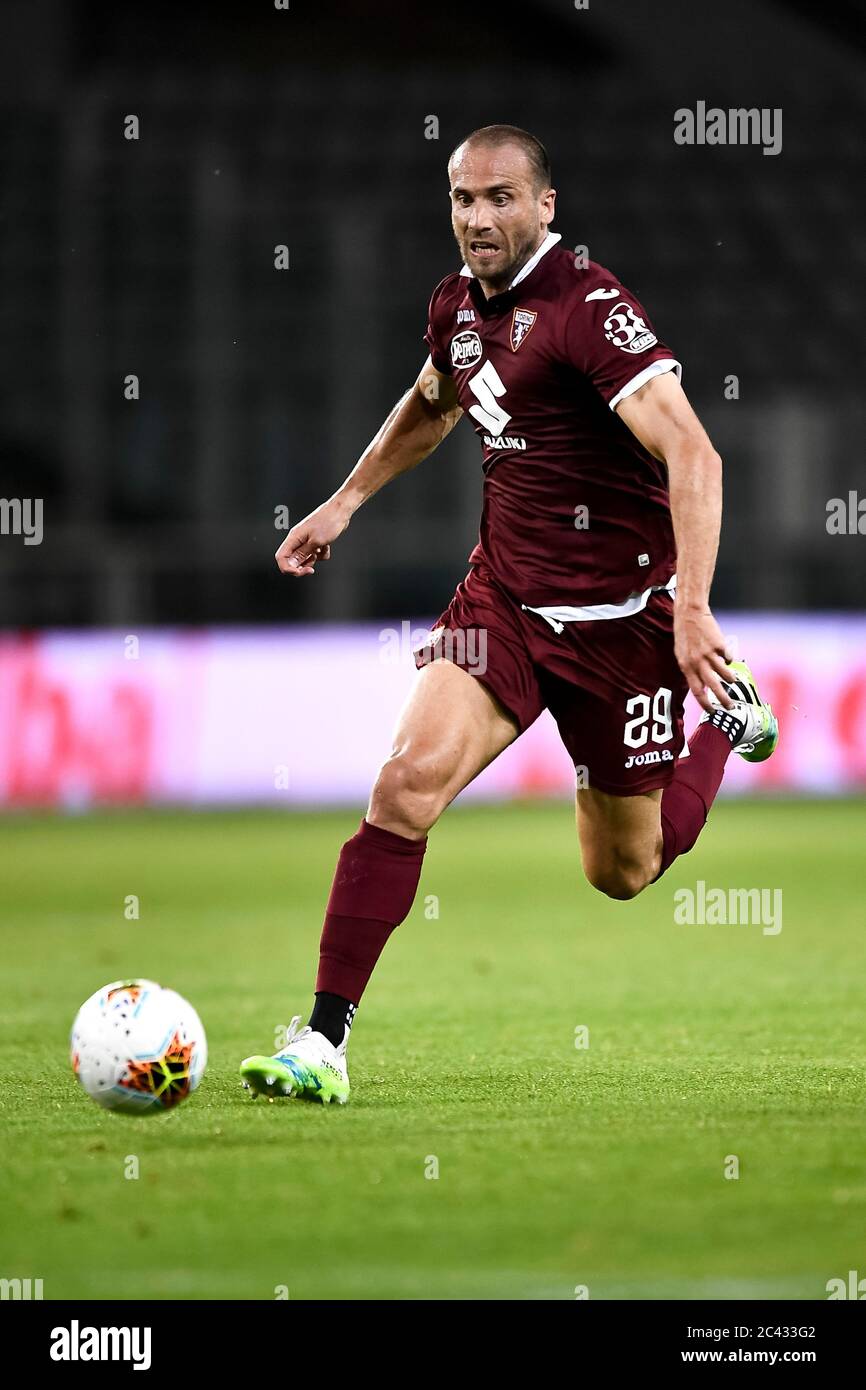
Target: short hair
[(535, 152)]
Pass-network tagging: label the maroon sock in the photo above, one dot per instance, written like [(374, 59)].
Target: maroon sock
[(374, 887), (686, 802)]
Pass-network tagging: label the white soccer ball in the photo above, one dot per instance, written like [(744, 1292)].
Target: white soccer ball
[(138, 1048)]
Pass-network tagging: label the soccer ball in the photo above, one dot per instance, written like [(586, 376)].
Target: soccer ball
[(138, 1048)]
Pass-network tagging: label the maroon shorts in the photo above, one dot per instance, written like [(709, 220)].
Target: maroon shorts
[(612, 685)]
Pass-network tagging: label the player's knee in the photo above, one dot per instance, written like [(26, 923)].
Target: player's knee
[(618, 876), (408, 793)]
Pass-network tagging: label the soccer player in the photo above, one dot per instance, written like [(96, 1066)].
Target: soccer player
[(587, 593)]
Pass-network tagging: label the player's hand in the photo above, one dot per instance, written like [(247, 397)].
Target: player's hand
[(701, 651), (310, 541)]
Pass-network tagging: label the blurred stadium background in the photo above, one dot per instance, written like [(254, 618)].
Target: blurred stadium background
[(258, 387)]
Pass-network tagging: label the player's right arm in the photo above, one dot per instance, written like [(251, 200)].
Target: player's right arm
[(419, 421)]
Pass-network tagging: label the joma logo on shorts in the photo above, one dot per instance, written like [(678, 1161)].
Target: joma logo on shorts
[(653, 756)]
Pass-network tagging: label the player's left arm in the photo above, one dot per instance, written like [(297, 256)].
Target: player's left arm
[(660, 416)]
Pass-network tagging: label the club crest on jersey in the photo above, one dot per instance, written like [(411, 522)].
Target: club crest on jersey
[(521, 325), (465, 349)]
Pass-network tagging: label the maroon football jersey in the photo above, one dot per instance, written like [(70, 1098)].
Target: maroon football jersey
[(575, 510)]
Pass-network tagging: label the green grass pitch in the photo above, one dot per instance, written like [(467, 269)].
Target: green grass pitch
[(558, 1167)]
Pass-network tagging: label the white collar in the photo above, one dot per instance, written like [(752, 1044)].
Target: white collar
[(547, 245)]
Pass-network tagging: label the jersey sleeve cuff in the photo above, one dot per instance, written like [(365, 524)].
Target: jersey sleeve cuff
[(663, 364), (441, 363)]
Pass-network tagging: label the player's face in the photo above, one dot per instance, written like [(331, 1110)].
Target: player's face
[(498, 213)]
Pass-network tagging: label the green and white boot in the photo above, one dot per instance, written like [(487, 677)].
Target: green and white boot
[(751, 724), (309, 1067)]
